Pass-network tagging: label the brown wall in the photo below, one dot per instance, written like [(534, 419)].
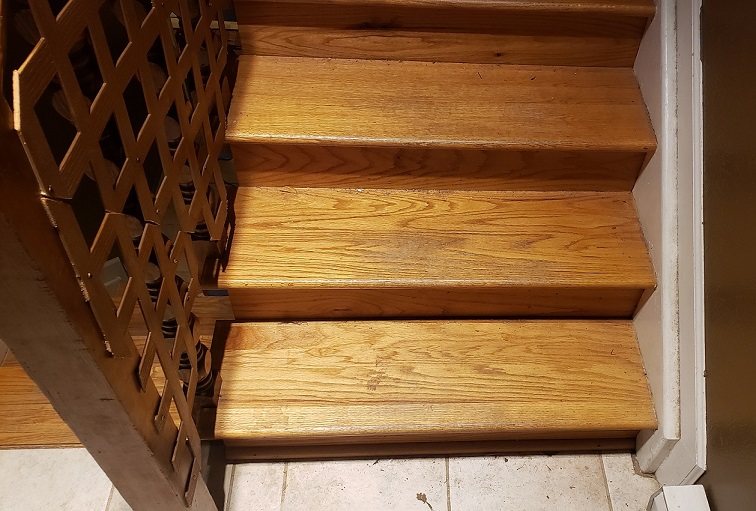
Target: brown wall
[(729, 65)]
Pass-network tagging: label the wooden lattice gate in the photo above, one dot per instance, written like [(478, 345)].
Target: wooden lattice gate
[(117, 124)]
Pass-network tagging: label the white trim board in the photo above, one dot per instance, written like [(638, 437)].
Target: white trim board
[(669, 198), (679, 498)]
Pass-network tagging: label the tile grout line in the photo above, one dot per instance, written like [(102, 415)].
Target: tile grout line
[(283, 486), (448, 487), (110, 497), (227, 503), (606, 483)]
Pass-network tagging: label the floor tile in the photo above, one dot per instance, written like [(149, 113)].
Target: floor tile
[(628, 490), (411, 485), (256, 487), (528, 483), (60, 479)]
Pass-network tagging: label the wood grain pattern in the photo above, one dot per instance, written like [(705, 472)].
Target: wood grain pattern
[(630, 7), (385, 450), (27, 419), (451, 106), (428, 381), (444, 32), (316, 166), (367, 253), (298, 302)]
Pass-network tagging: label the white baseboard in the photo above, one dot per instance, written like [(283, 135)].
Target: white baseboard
[(687, 461), (655, 194), (679, 498), (669, 199)]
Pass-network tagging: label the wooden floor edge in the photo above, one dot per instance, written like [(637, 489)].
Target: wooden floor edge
[(39, 445), (240, 136), (646, 10), (371, 451)]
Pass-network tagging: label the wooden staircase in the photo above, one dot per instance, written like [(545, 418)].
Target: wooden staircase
[(436, 248)]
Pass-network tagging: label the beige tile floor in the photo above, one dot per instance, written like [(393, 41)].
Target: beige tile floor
[(68, 479)]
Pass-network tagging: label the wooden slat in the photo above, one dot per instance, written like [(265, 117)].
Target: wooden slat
[(27, 419), (582, 126), (442, 32), (149, 160), (311, 253), (316, 383), (47, 323)]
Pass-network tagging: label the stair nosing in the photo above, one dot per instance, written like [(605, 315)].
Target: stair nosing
[(635, 9), (429, 143)]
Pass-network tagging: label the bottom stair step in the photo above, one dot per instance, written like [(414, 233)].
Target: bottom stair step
[(303, 388)]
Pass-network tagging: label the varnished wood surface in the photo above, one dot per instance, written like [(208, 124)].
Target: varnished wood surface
[(361, 451), (439, 105), (297, 302), (638, 7), (366, 253), (442, 32), (316, 383), (27, 419), (434, 169)]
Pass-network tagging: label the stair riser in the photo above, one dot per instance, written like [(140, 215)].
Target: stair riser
[(395, 32), (238, 453), (365, 440), (438, 301), (315, 166)]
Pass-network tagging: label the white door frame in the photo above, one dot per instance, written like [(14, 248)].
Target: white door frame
[(669, 198)]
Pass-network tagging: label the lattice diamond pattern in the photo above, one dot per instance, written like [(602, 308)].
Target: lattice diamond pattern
[(198, 146)]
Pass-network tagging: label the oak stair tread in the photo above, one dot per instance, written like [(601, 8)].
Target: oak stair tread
[(440, 105), (569, 33), (460, 245), (362, 382)]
